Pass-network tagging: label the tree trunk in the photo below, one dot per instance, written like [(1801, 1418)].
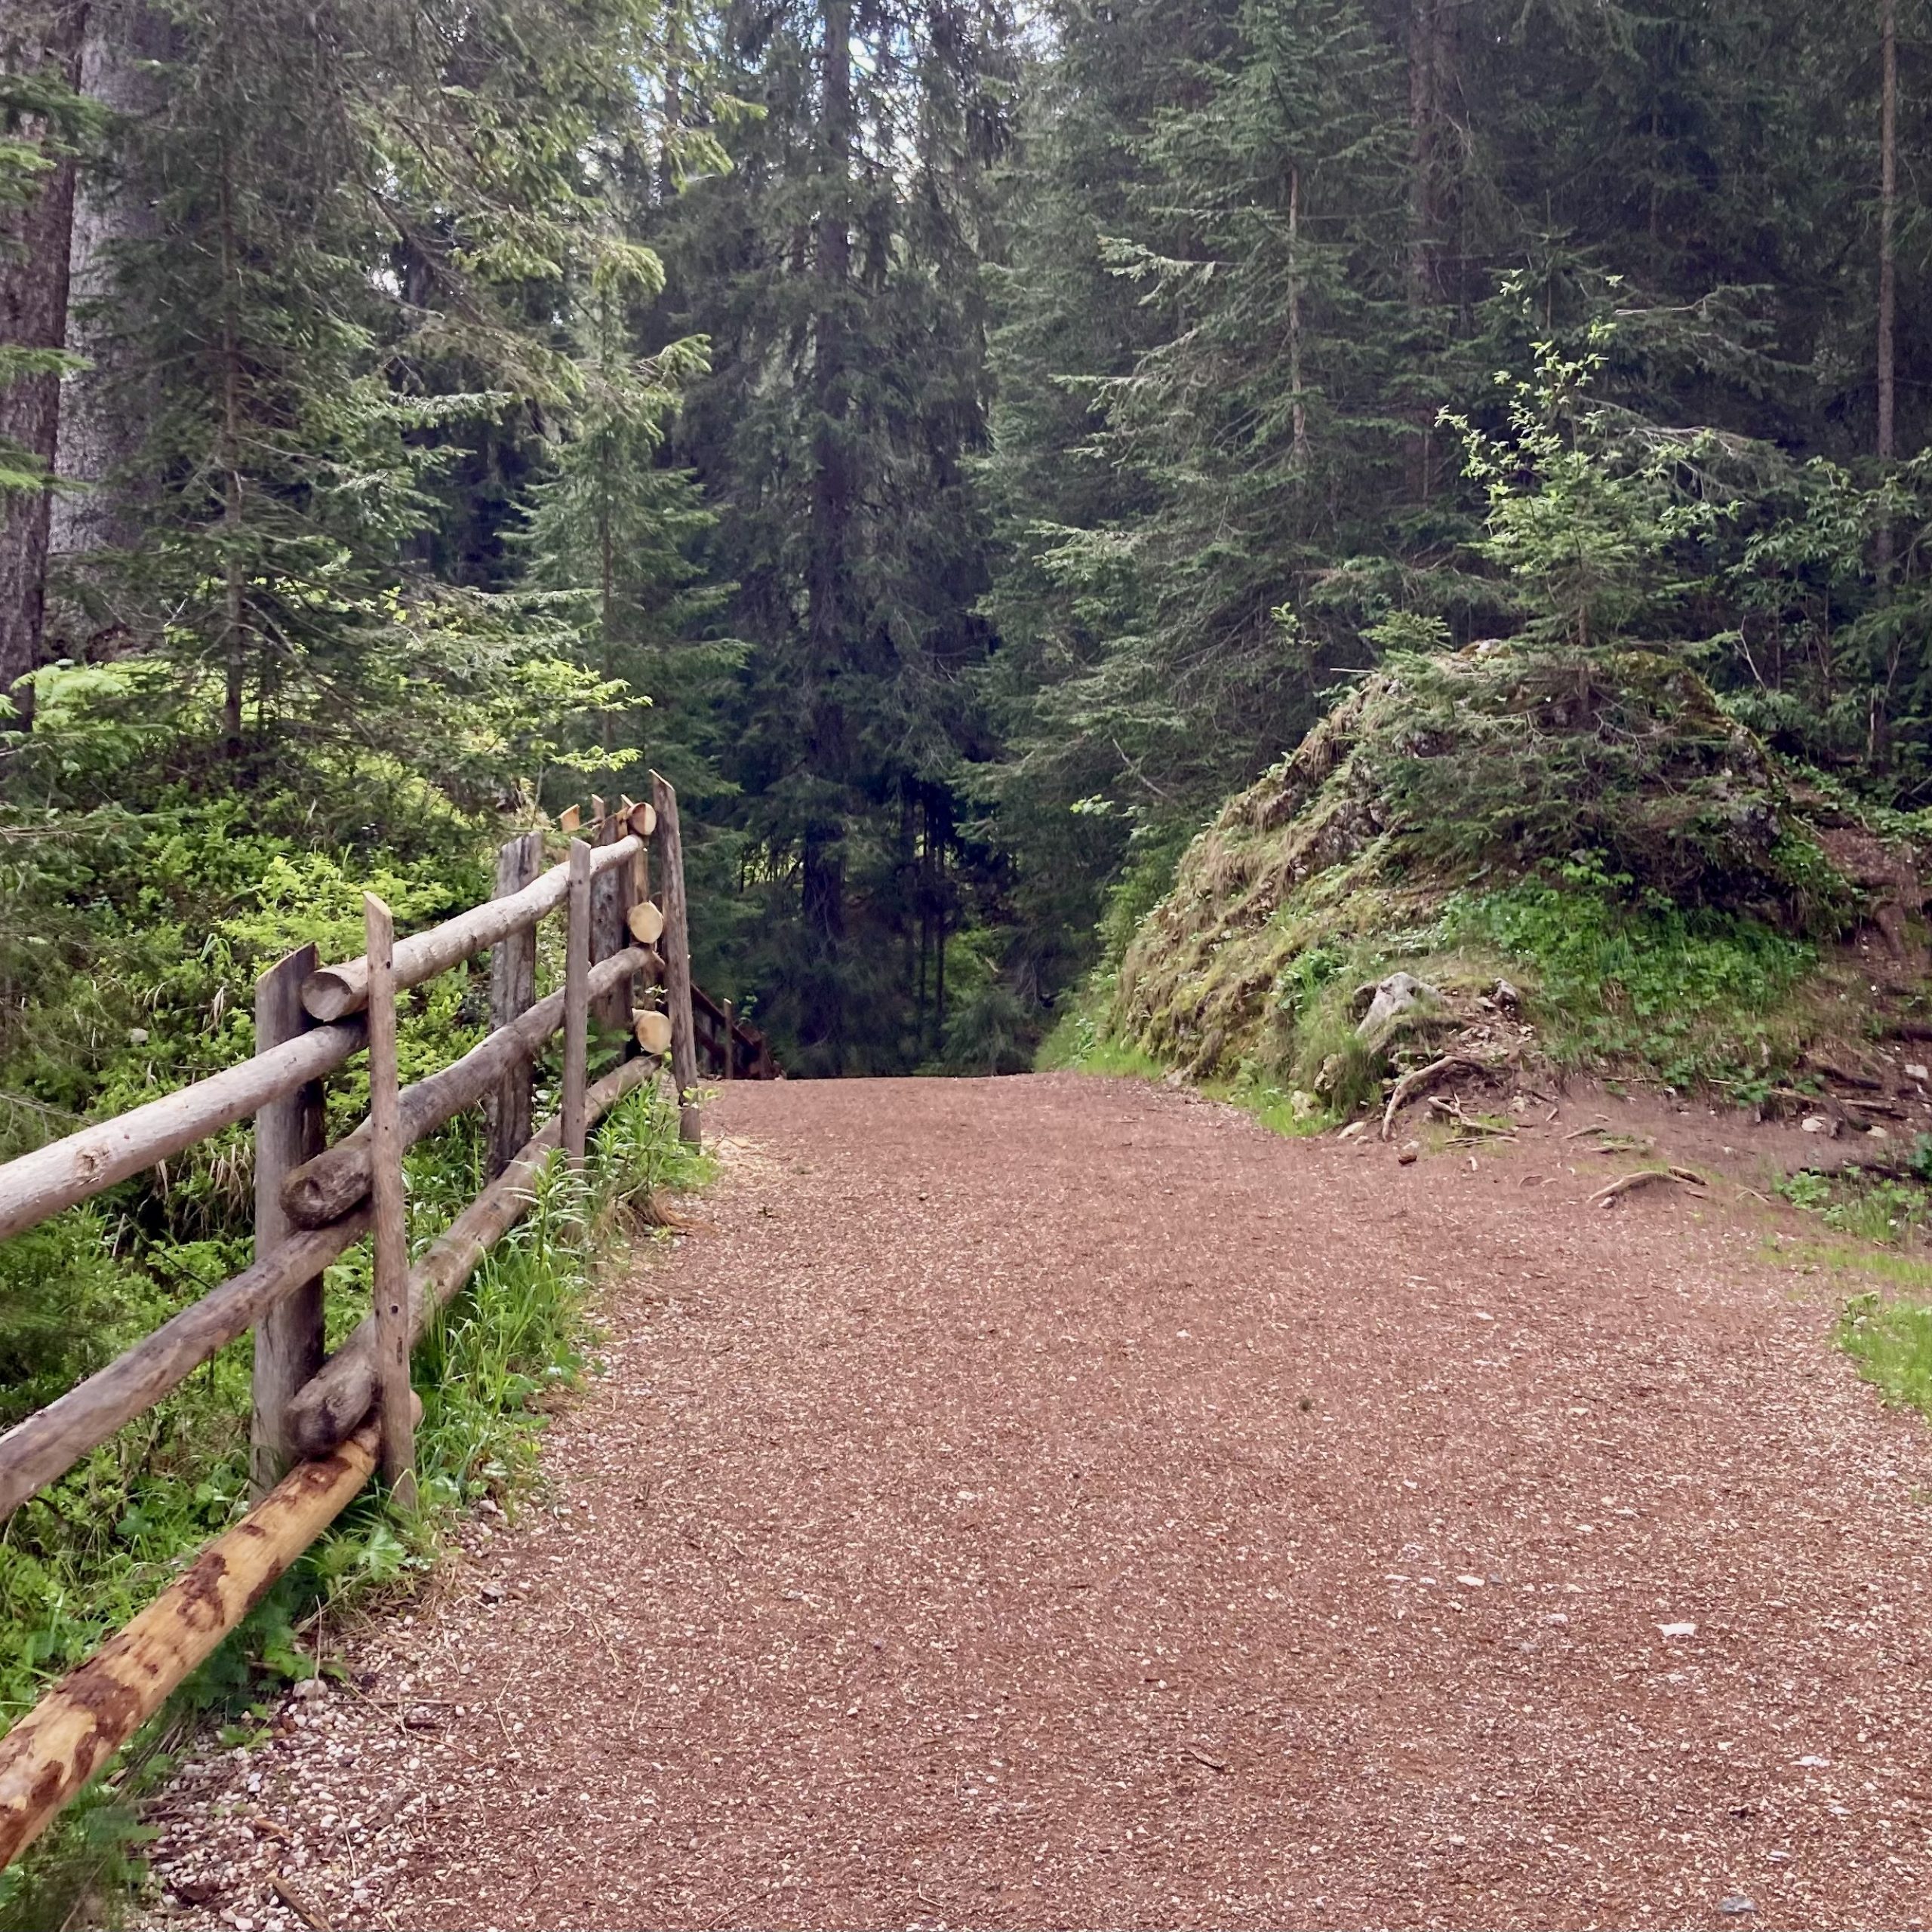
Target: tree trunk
[(1297, 406), (831, 484), (1888, 196), (33, 315), (100, 421), (235, 632), (1432, 154)]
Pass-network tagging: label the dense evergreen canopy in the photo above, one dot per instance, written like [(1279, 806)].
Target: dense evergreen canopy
[(962, 448)]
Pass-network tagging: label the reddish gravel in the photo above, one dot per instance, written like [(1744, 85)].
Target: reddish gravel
[(1056, 1501)]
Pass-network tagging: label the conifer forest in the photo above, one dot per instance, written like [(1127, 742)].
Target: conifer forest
[(1124, 521), (958, 446)]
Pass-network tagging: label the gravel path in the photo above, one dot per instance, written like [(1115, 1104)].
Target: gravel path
[(1058, 1502)]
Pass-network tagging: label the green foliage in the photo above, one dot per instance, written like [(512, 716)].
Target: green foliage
[(1879, 1208), (1622, 976), (1585, 507), (1891, 1342)]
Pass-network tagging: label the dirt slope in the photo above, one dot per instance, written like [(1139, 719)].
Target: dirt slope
[(1059, 1502)]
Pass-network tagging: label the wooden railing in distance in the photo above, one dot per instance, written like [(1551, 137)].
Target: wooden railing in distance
[(320, 1425), (729, 1048)]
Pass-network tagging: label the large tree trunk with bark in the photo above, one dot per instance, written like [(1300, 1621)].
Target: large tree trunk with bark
[(100, 419), (33, 315), (1434, 163)]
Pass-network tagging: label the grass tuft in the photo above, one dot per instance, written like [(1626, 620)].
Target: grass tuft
[(1891, 1342)]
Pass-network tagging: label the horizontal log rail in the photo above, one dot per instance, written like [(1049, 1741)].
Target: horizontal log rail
[(51, 1441), (321, 1190), (38, 1185), (735, 1048), (52, 1752), (336, 991), (336, 1423)]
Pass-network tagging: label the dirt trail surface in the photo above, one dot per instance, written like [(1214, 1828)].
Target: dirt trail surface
[(1059, 1502)]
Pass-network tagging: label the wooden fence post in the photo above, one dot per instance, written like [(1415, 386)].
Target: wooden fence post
[(395, 1410), (676, 947), (730, 1043), (576, 1001), (289, 1130), (609, 893), (512, 991)]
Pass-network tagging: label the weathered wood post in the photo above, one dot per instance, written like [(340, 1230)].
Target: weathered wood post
[(731, 1042), (512, 991), (576, 1001), (289, 1130), (395, 1410), (608, 893), (676, 947)]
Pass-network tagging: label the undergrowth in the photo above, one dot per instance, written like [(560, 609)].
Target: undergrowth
[(1891, 1342), (1882, 1208), (1621, 976), (77, 1561)]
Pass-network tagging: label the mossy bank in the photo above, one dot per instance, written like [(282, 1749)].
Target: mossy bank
[(1582, 856)]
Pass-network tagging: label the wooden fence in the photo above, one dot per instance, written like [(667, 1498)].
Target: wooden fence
[(321, 1426)]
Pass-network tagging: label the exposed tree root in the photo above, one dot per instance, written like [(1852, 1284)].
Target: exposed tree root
[(1628, 1183), (1424, 1077)]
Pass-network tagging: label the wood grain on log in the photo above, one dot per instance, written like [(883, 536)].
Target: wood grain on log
[(676, 948), (390, 1288), (577, 1001), (512, 992), (92, 1711), (289, 1344), (336, 990)]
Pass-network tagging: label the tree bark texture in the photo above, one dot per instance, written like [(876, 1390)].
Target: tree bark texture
[(100, 420), (34, 245), (1433, 162)]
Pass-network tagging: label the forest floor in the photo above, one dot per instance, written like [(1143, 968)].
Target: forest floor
[(1061, 1502)]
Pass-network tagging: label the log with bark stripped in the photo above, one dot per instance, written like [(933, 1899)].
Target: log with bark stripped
[(334, 1181)]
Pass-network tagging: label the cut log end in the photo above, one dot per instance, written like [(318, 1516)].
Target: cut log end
[(334, 992), (646, 922), (654, 1031), (643, 820)]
